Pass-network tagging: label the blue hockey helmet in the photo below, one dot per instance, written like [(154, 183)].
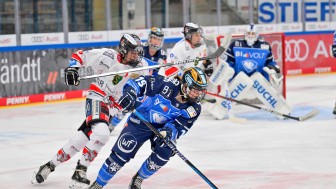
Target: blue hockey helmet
[(155, 38)]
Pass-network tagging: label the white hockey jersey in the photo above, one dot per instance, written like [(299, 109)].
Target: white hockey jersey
[(99, 61), (182, 50)]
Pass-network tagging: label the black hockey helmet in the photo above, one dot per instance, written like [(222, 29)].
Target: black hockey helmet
[(194, 81), (189, 29), (130, 43)]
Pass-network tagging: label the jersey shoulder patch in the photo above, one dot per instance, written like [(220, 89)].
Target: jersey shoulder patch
[(191, 112)]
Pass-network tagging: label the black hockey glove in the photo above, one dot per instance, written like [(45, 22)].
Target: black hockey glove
[(71, 76), (333, 50), (169, 133), (275, 68), (127, 100), (208, 68)]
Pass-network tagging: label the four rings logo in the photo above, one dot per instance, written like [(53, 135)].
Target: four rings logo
[(295, 50), (37, 39), (83, 37)]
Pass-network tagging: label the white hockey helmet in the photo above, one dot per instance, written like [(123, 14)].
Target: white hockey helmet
[(251, 34)]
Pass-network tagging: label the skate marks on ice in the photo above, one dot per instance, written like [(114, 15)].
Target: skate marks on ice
[(323, 113)]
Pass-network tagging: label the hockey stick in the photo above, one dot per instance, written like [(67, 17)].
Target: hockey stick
[(173, 147), (311, 114), (216, 54)]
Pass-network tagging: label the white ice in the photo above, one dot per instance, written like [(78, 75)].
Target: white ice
[(264, 153)]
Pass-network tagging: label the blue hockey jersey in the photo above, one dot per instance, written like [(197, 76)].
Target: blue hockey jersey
[(160, 55), (242, 57), (161, 105)]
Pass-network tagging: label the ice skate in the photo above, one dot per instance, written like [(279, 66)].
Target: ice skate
[(79, 179), (95, 185), (334, 112), (43, 172), (136, 182)]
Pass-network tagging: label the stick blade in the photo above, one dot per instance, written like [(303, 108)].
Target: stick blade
[(310, 115), (235, 119)]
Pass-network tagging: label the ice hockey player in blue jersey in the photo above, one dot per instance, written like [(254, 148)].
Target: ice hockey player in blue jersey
[(333, 52), (251, 54), (250, 72), (153, 48), (172, 107)]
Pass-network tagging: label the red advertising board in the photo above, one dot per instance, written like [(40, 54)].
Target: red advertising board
[(36, 98), (309, 53)]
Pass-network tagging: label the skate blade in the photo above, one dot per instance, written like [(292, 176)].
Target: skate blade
[(33, 180), (78, 185)]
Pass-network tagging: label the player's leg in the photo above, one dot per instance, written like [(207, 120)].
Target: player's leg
[(74, 145), (334, 112), (96, 129), (127, 145), (239, 88), (159, 157), (268, 95)]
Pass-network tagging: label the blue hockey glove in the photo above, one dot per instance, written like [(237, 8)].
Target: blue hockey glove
[(127, 100), (169, 132), (71, 76)]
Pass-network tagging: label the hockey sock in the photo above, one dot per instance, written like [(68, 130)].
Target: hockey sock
[(149, 167), (107, 171)]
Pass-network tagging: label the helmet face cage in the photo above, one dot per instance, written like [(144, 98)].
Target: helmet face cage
[(191, 28), (194, 81), (155, 33), (251, 34), (130, 43)]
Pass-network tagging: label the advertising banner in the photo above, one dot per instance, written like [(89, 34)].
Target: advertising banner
[(291, 11), (309, 53), (29, 76), (38, 76)]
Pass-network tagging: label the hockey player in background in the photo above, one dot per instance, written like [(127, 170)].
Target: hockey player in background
[(100, 104), (250, 71), (172, 107), (191, 46), (153, 48), (333, 51)]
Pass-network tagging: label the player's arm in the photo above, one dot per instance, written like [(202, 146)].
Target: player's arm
[(92, 58), (179, 126), (333, 46), (140, 86), (333, 50), (174, 56), (230, 58), (273, 70), (71, 72)]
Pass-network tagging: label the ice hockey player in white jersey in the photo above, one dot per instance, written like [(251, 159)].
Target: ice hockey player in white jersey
[(333, 52), (254, 73), (100, 104), (191, 46)]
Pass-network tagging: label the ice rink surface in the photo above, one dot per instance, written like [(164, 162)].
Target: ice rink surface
[(264, 153)]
